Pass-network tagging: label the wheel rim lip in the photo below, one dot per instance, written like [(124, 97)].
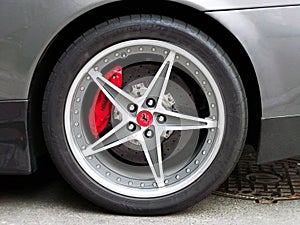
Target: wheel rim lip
[(135, 192)]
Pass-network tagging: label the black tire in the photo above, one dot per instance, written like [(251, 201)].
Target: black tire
[(216, 165)]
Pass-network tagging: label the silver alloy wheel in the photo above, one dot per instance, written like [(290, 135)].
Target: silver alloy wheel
[(159, 177)]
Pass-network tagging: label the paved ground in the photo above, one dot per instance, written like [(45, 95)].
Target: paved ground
[(46, 199)]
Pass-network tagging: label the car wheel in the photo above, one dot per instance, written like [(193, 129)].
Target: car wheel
[(144, 115)]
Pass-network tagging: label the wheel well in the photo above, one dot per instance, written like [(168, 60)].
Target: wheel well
[(175, 10)]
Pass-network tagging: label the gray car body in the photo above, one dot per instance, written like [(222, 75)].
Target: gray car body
[(268, 31)]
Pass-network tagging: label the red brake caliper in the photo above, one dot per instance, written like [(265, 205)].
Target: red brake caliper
[(100, 111)]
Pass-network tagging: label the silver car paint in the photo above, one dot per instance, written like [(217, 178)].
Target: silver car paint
[(26, 29), (218, 5), (272, 39)]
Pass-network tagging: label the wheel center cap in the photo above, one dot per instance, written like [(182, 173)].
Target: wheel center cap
[(144, 118)]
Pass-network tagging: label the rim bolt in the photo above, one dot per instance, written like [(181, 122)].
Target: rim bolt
[(132, 108), (161, 119), (149, 133), (131, 126), (150, 102)]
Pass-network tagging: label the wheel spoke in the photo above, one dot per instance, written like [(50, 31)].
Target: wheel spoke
[(160, 81), (116, 136), (178, 121), (119, 98), (152, 150)]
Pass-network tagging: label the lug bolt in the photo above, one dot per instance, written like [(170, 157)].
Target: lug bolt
[(149, 133), (161, 119), (132, 108), (131, 126), (150, 102)]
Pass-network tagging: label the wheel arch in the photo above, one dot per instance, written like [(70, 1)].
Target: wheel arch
[(68, 34)]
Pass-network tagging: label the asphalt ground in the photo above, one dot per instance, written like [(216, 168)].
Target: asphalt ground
[(45, 198)]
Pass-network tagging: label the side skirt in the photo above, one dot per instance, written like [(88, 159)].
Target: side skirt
[(15, 157), (279, 139)]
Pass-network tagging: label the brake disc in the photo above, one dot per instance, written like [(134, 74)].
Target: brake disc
[(136, 85)]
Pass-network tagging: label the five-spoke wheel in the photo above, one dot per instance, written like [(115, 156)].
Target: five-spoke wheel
[(143, 121)]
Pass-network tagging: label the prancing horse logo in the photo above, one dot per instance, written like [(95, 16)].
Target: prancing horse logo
[(144, 118)]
